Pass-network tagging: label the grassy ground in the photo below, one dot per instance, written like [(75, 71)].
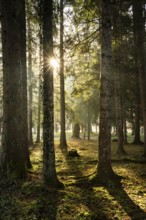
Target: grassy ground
[(79, 200)]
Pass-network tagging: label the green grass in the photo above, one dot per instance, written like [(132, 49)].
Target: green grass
[(79, 200)]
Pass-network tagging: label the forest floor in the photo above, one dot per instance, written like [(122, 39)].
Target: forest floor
[(78, 200)]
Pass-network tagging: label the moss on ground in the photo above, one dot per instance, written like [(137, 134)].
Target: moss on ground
[(79, 200)]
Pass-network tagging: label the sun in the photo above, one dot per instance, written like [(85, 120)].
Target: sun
[(54, 63)]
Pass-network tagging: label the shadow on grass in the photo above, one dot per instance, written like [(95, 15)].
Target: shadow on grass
[(120, 195), (93, 210), (95, 204), (28, 200)]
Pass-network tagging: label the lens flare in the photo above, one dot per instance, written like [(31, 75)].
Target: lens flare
[(53, 63)]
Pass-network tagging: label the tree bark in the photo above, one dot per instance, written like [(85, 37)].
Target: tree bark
[(24, 85), (63, 143), (104, 169), (119, 112), (14, 148), (118, 79), (38, 139), (139, 35), (49, 170), (30, 75), (89, 123), (39, 112), (137, 113), (76, 131), (125, 129)]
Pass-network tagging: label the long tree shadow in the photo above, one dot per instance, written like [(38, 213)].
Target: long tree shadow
[(133, 210), (86, 193), (116, 190)]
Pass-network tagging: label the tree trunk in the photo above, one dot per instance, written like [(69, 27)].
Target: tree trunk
[(125, 129), (63, 143), (30, 74), (118, 79), (119, 112), (24, 86), (137, 114), (84, 133), (76, 131), (38, 139), (139, 35), (49, 170), (14, 148), (89, 123), (39, 112), (105, 171)]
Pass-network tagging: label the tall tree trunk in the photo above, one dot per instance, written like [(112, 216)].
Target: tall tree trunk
[(118, 78), (125, 129), (89, 123), (38, 139), (24, 85), (119, 112), (139, 35), (39, 112), (105, 171), (14, 89), (30, 75), (137, 113), (49, 170), (63, 143)]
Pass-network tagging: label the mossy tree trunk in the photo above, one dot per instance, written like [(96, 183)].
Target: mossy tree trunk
[(104, 169), (49, 170), (14, 148)]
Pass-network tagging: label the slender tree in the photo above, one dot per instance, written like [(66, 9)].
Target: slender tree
[(22, 29), (39, 89), (119, 112), (30, 75), (63, 143), (89, 120), (49, 171), (38, 139), (137, 110)]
